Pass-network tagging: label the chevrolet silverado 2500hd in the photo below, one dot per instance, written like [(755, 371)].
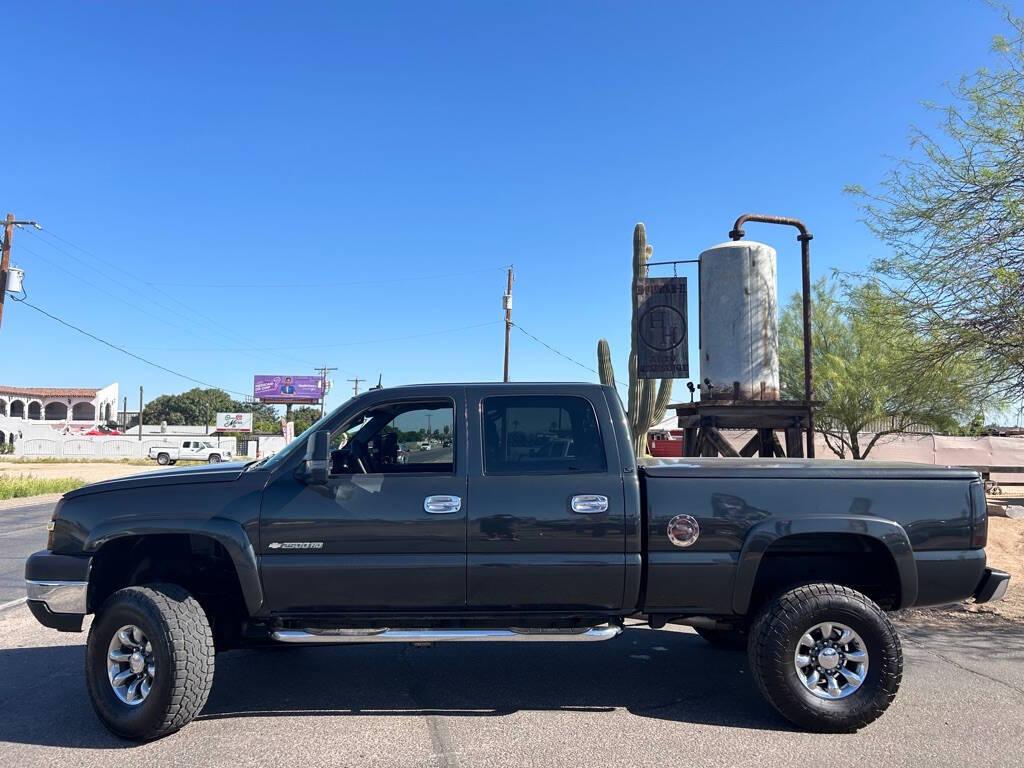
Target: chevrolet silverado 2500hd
[(527, 518)]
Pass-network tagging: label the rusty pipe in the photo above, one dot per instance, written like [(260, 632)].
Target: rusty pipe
[(805, 238)]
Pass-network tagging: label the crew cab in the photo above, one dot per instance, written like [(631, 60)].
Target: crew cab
[(190, 450), (537, 524)]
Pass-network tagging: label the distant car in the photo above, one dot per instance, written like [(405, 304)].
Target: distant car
[(425, 445), (190, 450), (446, 443)]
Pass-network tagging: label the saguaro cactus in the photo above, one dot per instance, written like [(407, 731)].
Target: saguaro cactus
[(646, 406)]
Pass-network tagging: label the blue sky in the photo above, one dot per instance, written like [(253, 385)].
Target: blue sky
[(254, 184)]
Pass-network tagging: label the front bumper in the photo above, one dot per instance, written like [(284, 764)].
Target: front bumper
[(992, 586), (57, 587)]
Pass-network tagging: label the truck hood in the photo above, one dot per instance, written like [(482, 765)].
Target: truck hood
[(206, 473)]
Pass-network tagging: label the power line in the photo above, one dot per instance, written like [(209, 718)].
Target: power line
[(329, 346), (562, 354), (333, 284), (191, 314), (125, 351)]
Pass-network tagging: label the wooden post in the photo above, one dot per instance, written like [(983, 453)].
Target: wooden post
[(5, 261)]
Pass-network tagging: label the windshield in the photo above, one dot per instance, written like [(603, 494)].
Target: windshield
[(270, 462)]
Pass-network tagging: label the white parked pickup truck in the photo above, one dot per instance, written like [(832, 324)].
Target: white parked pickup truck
[(190, 450)]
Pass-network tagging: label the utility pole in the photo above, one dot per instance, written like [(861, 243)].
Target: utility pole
[(506, 303), (5, 256), (355, 384), (124, 413), (323, 384), (140, 413)]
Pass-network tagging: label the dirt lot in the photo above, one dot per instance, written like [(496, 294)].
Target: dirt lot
[(89, 471)]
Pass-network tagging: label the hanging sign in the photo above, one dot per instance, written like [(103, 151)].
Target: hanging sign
[(662, 344)]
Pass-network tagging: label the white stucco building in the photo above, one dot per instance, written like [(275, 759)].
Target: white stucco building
[(60, 406)]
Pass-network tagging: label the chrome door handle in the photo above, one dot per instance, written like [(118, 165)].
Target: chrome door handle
[(442, 505), (589, 503)]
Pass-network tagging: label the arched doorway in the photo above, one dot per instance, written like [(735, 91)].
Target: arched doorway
[(106, 412), (18, 409), (80, 412), (55, 412)]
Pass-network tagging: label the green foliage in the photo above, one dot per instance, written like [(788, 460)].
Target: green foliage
[(200, 406), (647, 404), (865, 349), (304, 416), (18, 486), (952, 213)]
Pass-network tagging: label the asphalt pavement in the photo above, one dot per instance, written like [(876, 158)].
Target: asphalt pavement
[(648, 697), (22, 532)]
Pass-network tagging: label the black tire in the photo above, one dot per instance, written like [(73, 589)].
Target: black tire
[(724, 639), (183, 651), (163, 459), (213, 459), (772, 646)]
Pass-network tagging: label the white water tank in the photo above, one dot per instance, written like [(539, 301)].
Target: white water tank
[(739, 322)]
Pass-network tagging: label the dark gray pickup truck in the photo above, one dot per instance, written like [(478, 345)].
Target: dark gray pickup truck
[(506, 512)]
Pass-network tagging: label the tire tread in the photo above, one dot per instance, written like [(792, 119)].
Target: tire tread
[(190, 641), (769, 653)]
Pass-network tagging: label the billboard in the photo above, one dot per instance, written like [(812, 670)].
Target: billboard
[(234, 422), (662, 348), (287, 389)]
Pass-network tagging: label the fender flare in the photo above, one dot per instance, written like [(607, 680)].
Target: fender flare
[(763, 535), (228, 533)]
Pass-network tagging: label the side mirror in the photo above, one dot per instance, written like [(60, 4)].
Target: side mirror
[(314, 469)]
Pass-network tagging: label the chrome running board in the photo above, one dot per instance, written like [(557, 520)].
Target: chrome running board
[(583, 635)]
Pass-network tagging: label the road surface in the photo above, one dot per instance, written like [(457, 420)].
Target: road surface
[(22, 532)]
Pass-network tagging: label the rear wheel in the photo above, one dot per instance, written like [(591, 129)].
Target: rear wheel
[(149, 661), (724, 639), (826, 657), (163, 459)]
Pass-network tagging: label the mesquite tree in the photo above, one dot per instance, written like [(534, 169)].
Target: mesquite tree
[(952, 215), (646, 404)]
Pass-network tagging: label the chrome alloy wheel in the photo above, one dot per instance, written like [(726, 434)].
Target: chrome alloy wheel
[(831, 660), (130, 665)]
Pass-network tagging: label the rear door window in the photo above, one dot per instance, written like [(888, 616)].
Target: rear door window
[(541, 434)]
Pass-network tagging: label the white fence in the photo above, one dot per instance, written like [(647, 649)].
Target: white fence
[(35, 440)]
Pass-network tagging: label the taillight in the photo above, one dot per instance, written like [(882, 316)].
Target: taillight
[(979, 515)]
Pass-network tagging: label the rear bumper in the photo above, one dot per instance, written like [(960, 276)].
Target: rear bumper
[(57, 587), (992, 586)]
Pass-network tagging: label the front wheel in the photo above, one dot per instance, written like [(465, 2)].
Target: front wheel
[(149, 661), (826, 657), (214, 459)]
